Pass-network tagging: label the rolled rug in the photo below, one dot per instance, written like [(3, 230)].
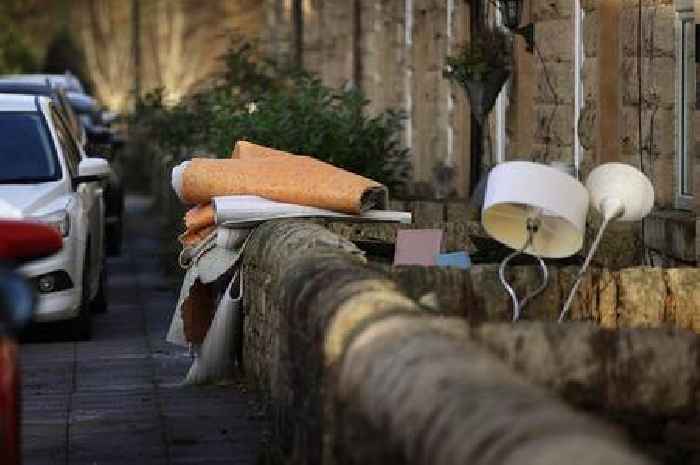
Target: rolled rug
[(277, 176), (199, 217)]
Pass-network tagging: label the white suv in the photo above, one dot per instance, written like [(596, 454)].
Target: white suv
[(45, 176)]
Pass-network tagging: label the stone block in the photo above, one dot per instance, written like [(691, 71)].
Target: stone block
[(629, 25), (544, 10), (555, 39), (683, 302), (457, 212), (588, 124), (545, 306), (659, 35), (671, 232), (457, 237), (427, 214), (544, 154), (658, 38), (491, 302), (633, 4), (584, 306), (607, 299), (554, 125), (641, 297), (589, 75), (561, 77), (658, 84), (589, 6), (663, 179), (591, 34), (657, 132)]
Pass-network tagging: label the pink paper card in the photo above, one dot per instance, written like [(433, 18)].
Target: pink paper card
[(417, 246)]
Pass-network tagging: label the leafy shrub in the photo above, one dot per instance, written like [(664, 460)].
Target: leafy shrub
[(259, 101)]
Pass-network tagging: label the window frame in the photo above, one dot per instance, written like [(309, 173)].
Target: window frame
[(684, 140), (69, 148)]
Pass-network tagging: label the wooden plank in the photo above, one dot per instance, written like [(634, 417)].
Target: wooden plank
[(429, 108)]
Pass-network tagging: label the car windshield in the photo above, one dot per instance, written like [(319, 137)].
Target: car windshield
[(26, 151)]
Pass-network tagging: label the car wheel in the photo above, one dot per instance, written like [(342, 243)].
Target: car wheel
[(99, 303), (80, 327)]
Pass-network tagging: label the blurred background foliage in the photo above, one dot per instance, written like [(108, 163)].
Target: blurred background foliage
[(259, 100), (15, 54)]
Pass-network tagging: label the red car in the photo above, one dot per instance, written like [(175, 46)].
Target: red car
[(19, 241)]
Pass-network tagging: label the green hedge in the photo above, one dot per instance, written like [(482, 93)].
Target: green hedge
[(260, 101)]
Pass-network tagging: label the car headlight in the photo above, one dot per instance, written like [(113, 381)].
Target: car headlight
[(60, 220)]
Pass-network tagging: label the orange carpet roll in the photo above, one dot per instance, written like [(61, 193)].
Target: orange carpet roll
[(275, 175), (199, 217)]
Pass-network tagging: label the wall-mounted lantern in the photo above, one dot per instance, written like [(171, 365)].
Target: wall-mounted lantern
[(511, 11)]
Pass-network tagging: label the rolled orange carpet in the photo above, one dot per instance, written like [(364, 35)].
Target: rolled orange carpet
[(275, 175), (199, 217)]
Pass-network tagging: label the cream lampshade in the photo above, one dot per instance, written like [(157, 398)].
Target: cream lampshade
[(520, 190)]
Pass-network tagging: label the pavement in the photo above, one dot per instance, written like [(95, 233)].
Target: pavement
[(117, 399)]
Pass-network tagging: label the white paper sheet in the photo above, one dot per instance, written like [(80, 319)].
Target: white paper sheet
[(250, 209)]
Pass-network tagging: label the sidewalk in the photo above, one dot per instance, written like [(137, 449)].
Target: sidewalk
[(116, 399)]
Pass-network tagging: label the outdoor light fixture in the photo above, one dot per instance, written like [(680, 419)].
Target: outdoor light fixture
[(511, 11), (619, 192), (537, 210)]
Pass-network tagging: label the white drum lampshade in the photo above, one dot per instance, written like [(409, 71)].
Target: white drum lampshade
[(518, 191)]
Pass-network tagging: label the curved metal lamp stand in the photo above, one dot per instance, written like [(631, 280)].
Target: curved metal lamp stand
[(532, 227)]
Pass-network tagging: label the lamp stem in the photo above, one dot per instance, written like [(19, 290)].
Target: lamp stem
[(533, 225), (584, 268)]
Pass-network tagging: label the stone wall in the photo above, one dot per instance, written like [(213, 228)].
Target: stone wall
[(628, 298), (358, 372)]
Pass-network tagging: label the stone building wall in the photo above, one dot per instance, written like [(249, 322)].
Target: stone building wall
[(394, 51)]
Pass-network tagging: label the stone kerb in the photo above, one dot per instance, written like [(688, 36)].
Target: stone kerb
[(357, 373)]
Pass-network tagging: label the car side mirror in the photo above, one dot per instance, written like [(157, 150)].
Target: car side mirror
[(92, 169)]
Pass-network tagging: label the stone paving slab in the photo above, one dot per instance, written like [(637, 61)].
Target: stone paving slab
[(117, 399)]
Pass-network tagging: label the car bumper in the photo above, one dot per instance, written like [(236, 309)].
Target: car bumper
[(63, 304)]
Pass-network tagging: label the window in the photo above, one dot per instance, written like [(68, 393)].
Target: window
[(685, 104), (70, 151), (26, 152)]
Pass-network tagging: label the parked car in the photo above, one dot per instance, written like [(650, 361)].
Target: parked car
[(101, 139), (94, 133), (67, 80), (19, 241), (46, 177), (58, 95)]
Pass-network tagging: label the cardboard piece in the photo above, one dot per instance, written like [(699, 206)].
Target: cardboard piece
[(418, 246), (454, 260)]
